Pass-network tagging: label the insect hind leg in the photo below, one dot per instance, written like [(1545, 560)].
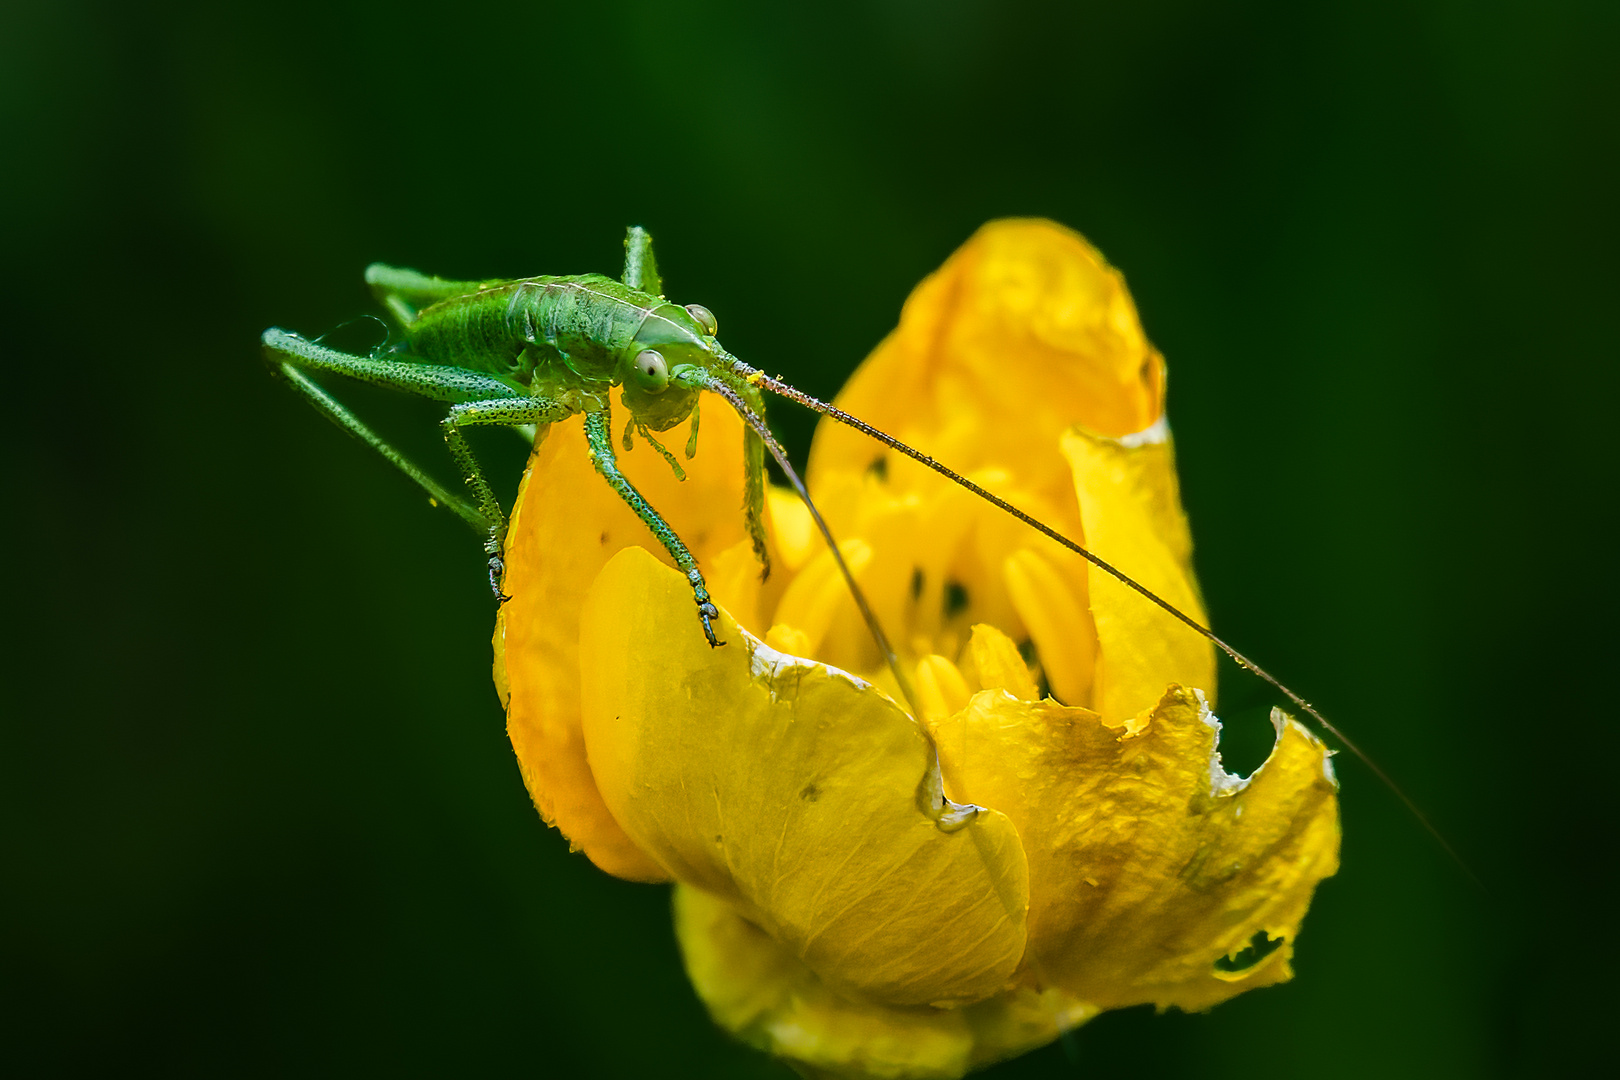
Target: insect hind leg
[(405, 292), (478, 399), (339, 414), (640, 267)]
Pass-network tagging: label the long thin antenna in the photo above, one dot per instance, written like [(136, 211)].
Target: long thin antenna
[(776, 386), (755, 421)]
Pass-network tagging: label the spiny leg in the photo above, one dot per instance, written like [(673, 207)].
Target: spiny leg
[(290, 355), (754, 499), (640, 268), (599, 435), (753, 474), (505, 412), (336, 412), (437, 382)]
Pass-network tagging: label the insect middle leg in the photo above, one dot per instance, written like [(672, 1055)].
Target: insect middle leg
[(599, 436), (505, 412)]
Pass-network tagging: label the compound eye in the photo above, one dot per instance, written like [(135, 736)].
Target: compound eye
[(704, 317), (652, 374)]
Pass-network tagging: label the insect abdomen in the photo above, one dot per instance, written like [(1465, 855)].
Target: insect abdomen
[(469, 331)]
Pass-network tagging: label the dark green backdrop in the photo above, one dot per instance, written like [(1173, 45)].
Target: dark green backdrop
[(259, 811)]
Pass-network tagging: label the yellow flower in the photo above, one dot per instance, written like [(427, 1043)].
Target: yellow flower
[(869, 894)]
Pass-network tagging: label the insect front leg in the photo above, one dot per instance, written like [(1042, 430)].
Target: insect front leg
[(505, 412), (599, 435)]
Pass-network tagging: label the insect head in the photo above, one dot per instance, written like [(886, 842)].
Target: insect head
[(663, 367)]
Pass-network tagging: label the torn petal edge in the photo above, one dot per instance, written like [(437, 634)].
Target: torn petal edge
[(946, 815)]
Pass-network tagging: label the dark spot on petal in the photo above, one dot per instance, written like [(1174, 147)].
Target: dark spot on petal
[(810, 793), (916, 582), (718, 838), (879, 467), (956, 598), (604, 539), (1259, 947)]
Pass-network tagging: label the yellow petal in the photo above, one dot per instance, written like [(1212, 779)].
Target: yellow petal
[(1151, 870), (796, 793), (936, 568), (791, 526), (788, 639), (756, 989), (903, 579), (1130, 503), (1058, 622), (941, 689), (810, 602), (1023, 332), (565, 526), (733, 579), (999, 667)]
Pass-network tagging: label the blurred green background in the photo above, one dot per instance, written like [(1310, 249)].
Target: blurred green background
[(260, 816)]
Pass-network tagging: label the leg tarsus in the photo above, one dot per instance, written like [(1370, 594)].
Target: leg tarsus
[(707, 612), (497, 570)]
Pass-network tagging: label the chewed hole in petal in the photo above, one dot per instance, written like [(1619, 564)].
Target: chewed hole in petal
[(1246, 959), (1247, 738)]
